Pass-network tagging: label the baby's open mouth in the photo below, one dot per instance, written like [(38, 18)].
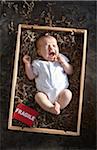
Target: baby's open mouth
[(51, 54)]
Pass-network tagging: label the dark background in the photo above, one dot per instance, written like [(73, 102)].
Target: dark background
[(79, 14)]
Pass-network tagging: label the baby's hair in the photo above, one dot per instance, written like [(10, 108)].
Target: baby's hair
[(41, 38)]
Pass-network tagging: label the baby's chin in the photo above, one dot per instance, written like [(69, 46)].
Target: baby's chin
[(53, 58)]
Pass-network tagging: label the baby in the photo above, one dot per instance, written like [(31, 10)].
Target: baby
[(50, 74)]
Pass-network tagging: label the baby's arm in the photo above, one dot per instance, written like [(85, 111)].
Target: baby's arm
[(28, 67), (66, 66)]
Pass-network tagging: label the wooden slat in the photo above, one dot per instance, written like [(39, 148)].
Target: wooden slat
[(15, 71), (82, 81), (44, 130), (35, 27)]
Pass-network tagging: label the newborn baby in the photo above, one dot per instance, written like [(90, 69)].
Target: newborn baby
[(50, 74)]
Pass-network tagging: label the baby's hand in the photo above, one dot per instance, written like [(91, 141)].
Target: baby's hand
[(60, 59), (27, 59), (55, 58)]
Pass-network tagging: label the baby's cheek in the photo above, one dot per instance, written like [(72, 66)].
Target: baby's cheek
[(46, 47), (46, 50), (57, 51)]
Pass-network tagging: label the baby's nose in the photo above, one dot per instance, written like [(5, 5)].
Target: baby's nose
[(50, 47)]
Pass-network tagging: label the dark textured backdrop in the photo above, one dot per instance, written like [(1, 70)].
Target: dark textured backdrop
[(78, 15)]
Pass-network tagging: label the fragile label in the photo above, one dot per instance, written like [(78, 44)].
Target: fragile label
[(25, 114)]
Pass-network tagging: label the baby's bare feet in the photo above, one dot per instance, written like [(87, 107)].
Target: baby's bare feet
[(57, 108)]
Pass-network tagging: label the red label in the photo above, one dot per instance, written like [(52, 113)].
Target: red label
[(25, 114)]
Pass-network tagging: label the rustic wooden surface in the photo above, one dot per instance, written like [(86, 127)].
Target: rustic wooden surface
[(63, 14)]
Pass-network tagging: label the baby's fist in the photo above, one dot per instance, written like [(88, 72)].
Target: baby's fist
[(27, 59), (60, 58)]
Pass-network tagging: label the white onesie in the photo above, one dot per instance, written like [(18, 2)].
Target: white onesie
[(51, 78)]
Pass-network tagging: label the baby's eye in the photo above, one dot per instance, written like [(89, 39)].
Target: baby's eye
[(54, 45)]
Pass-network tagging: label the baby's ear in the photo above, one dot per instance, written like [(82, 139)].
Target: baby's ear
[(38, 52)]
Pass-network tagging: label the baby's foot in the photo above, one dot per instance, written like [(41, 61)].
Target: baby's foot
[(57, 108)]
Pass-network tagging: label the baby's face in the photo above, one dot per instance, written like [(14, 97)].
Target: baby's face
[(48, 48)]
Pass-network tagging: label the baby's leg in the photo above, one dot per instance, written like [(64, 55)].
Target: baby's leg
[(45, 104), (64, 98)]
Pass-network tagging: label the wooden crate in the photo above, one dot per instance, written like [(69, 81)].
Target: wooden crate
[(15, 72)]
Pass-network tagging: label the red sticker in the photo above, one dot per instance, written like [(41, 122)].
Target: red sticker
[(25, 114)]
